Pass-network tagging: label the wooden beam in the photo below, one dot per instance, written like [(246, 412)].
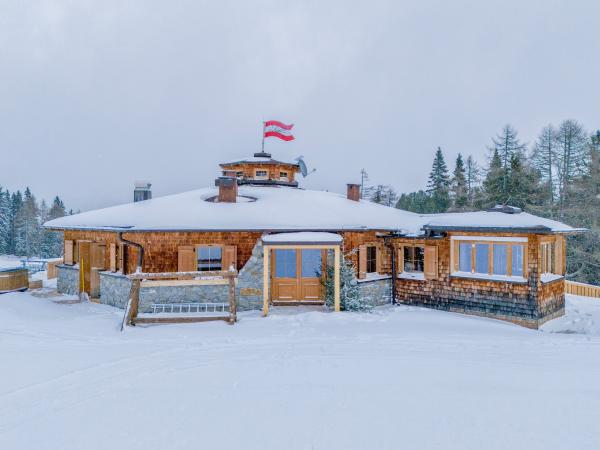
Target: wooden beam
[(301, 246), (266, 252), (336, 278)]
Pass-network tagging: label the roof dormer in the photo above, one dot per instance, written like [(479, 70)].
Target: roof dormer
[(262, 169)]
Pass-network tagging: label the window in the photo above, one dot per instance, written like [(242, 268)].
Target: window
[(311, 263), (414, 259), (261, 174), (548, 257), (285, 263), (371, 259), (283, 176), (239, 174), (209, 258), (491, 256)]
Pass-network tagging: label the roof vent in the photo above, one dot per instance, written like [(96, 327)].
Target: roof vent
[(506, 209), (262, 155), (142, 191)]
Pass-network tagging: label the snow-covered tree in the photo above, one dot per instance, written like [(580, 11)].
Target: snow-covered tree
[(384, 195), (350, 295), (52, 242), (27, 227), (5, 220)]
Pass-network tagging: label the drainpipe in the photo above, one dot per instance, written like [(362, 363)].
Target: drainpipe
[(389, 243), (133, 244)]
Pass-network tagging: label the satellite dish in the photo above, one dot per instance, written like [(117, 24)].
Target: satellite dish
[(303, 168)]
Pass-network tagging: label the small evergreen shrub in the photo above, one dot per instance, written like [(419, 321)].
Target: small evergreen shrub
[(350, 296)]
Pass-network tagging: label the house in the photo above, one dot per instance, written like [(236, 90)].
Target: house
[(502, 263)]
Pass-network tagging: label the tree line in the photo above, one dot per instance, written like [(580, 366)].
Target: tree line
[(21, 220), (557, 176)]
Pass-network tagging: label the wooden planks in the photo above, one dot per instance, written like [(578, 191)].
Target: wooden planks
[(585, 290)]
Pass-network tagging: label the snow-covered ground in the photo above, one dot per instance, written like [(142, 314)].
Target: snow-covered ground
[(401, 377)]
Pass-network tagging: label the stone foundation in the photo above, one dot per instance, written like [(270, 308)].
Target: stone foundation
[(67, 281), (376, 292), (182, 294), (114, 289), (249, 289)]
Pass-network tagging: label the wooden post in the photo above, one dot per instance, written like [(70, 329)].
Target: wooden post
[(232, 300), (336, 278), (134, 296), (266, 252)]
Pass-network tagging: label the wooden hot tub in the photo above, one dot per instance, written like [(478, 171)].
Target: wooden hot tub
[(14, 279)]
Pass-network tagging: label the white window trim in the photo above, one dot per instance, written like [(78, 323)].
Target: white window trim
[(261, 177), (484, 276)]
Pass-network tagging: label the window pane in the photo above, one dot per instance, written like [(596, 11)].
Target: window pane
[(371, 259), (500, 254), (209, 258), (464, 259), (517, 260), (482, 264), (311, 263), (413, 259), (285, 263)]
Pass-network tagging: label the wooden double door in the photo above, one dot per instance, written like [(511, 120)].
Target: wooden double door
[(296, 274)]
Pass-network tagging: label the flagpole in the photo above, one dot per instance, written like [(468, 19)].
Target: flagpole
[(263, 138)]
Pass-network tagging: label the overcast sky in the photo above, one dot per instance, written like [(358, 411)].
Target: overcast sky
[(96, 94)]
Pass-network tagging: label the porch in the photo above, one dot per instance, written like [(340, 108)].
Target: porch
[(294, 265)]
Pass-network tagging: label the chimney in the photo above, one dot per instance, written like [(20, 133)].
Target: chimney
[(142, 191), (227, 189), (353, 192)]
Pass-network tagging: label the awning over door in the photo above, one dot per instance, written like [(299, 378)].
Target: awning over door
[(303, 238)]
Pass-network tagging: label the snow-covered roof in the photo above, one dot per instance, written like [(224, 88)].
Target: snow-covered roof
[(492, 220), (276, 208), (303, 237)]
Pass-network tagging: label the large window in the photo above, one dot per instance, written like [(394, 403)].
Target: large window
[(261, 174), (283, 176), (371, 259), (311, 263), (285, 263), (209, 258), (414, 259), (490, 256)]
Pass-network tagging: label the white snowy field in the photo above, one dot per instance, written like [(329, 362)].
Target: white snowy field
[(401, 377)]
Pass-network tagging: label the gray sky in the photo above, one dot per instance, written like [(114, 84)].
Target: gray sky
[(96, 94)]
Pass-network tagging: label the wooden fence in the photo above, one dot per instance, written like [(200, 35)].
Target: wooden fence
[(585, 290)]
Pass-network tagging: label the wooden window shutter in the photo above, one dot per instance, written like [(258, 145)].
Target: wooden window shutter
[(229, 257), (113, 257), (362, 261), (121, 258), (68, 258), (431, 262), (455, 255), (400, 259), (186, 259), (558, 252), (97, 254), (379, 259)]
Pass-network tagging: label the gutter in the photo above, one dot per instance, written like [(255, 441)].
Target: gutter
[(388, 242), (140, 260)]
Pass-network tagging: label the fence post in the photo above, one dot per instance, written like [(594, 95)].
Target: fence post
[(232, 298)]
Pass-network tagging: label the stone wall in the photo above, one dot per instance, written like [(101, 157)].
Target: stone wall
[(67, 279), (114, 289), (376, 292), (182, 294), (249, 287)]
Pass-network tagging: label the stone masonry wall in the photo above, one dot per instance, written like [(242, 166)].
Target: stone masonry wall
[(376, 292), (67, 279), (249, 287), (114, 289)]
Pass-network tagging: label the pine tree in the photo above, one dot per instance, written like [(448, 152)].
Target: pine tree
[(571, 158), (523, 183), (542, 158), (459, 185), (506, 144), (27, 227), (350, 295), (419, 202), (383, 195), (52, 242), (493, 185), (16, 204), (438, 184), (5, 218), (473, 176)]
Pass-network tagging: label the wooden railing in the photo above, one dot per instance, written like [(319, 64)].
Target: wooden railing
[(585, 290), (139, 280)]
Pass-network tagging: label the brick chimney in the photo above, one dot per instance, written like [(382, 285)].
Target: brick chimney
[(227, 189), (353, 192)]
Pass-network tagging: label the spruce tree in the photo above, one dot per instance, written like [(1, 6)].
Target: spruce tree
[(542, 158), (439, 181), (16, 203), (5, 218), (473, 176), (350, 295), (52, 241), (27, 227), (459, 185), (493, 185), (506, 143), (523, 184)]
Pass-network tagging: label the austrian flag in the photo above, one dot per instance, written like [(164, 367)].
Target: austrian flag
[(275, 128)]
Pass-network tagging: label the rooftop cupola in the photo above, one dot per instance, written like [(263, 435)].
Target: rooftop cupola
[(262, 169)]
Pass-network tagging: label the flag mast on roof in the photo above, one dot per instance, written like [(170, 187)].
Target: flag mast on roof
[(277, 129)]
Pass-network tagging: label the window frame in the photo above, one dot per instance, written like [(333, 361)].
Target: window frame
[(284, 175), (403, 249), (373, 260), (261, 177), (209, 246), (490, 242), (548, 257)]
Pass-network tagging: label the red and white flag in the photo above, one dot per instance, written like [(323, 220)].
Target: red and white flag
[(275, 128)]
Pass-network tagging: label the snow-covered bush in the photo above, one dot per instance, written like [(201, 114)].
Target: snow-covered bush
[(350, 295)]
